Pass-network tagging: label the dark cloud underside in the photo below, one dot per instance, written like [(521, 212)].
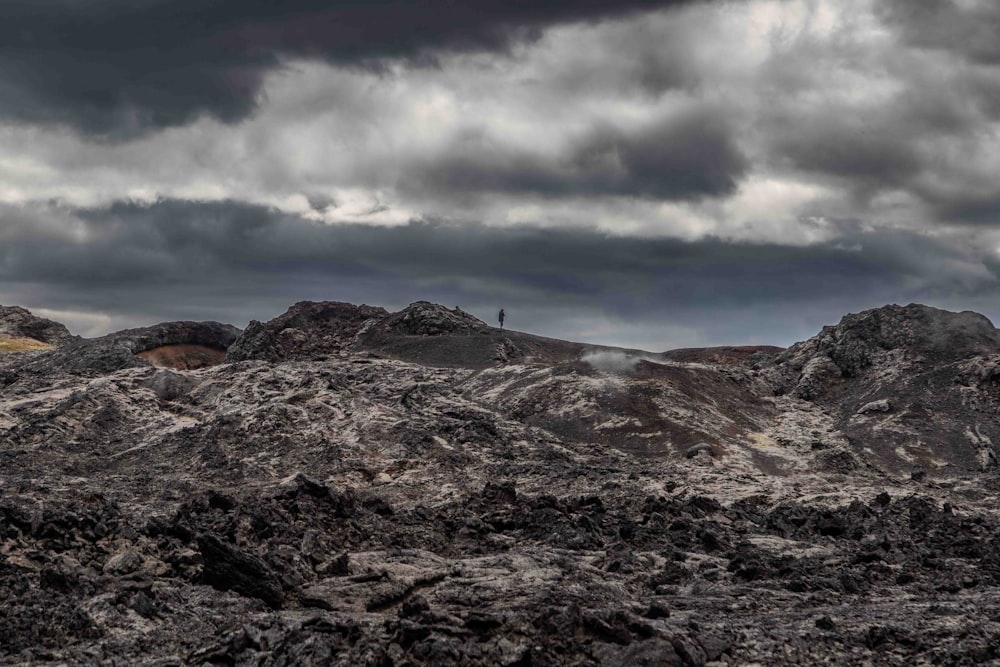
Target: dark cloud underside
[(117, 68), (967, 30), (234, 261), (687, 156)]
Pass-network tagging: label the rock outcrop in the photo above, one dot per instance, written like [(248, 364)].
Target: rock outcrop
[(20, 323), (306, 331), (107, 354), (932, 366), (423, 333), (428, 319), (895, 335)]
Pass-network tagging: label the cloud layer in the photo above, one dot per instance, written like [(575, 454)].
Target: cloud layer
[(117, 68), (233, 261), (645, 173)]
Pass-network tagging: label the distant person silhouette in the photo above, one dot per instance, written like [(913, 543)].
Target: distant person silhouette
[(500, 316)]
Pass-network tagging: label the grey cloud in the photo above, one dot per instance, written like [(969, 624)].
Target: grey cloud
[(874, 151), (969, 30), (917, 128), (232, 261), (969, 208), (118, 68), (687, 156)]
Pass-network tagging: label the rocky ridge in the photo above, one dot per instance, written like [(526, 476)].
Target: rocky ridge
[(18, 322), (307, 331), (910, 386), (84, 358), (364, 488)]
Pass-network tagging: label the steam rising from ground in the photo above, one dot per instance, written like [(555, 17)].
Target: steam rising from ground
[(614, 361)]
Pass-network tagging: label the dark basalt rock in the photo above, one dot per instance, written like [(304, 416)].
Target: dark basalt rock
[(893, 376), (117, 351), (915, 330), (914, 333), (228, 568), (700, 448), (427, 319), (19, 322), (418, 491), (307, 330)]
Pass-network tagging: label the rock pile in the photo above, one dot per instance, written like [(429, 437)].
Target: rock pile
[(306, 331), (427, 319)]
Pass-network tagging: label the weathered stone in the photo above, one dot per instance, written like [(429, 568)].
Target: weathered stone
[(700, 448), (123, 562), (19, 322), (307, 330), (229, 568), (881, 405)]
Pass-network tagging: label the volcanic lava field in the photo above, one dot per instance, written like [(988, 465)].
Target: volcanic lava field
[(345, 485)]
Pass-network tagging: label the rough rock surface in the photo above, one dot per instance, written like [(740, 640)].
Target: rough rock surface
[(20, 323), (909, 386), (306, 331), (99, 356), (364, 506)]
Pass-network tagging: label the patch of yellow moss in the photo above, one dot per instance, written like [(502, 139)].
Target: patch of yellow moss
[(11, 344), (762, 441)]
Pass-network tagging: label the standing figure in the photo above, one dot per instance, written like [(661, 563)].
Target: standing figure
[(500, 316)]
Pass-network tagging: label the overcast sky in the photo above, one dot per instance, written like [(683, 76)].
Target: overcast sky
[(647, 174)]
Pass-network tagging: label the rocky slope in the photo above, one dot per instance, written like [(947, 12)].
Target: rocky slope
[(18, 322), (364, 488), (909, 386)]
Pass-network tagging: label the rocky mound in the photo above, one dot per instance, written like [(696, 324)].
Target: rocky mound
[(897, 334), (18, 322), (308, 330), (433, 335), (428, 319), (913, 385), (422, 333), (116, 351)]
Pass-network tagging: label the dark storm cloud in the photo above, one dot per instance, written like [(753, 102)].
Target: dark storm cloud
[(117, 68), (982, 209), (968, 30), (869, 150), (688, 156), (233, 261), (922, 137)]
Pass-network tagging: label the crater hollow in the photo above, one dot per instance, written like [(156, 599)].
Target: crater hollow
[(184, 357)]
